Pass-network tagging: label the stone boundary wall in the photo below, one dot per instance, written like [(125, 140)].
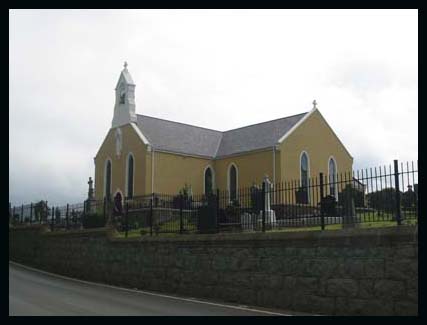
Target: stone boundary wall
[(346, 272)]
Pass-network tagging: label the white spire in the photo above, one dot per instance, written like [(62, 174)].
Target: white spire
[(124, 109)]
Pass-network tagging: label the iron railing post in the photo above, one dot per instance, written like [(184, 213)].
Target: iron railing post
[(52, 220), (397, 197), (47, 213), (13, 214), (104, 208), (151, 214), (31, 213), (181, 199), (126, 219), (322, 216), (66, 217), (217, 210), (263, 206)]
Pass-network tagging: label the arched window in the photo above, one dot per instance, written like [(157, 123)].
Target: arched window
[(332, 171), (129, 176), (232, 182), (107, 180), (208, 181), (304, 174)]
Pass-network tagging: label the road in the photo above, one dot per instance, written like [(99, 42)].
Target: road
[(32, 292)]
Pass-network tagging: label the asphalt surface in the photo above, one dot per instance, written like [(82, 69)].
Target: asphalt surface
[(35, 293)]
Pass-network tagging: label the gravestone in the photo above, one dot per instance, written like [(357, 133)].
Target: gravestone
[(349, 218), (270, 215)]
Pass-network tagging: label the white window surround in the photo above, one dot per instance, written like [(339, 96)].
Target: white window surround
[(127, 174), (308, 171), (213, 178), (228, 179), (336, 174), (121, 193), (105, 175)]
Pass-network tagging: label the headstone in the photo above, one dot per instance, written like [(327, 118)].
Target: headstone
[(349, 211), (90, 204), (270, 215)]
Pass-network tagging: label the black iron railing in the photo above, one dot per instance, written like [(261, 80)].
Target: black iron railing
[(382, 196)]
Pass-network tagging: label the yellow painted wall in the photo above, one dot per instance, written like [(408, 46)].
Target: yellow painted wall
[(173, 171), (318, 140), (251, 167), (130, 143)]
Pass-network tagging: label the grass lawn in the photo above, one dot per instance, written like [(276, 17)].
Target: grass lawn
[(368, 220)]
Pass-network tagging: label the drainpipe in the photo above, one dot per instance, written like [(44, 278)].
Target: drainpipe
[(274, 164), (152, 169)]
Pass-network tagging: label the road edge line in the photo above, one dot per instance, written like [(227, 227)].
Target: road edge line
[(147, 292)]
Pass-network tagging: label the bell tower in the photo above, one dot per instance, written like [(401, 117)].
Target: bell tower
[(124, 108)]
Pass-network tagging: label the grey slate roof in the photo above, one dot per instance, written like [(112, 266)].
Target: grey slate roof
[(192, 140)]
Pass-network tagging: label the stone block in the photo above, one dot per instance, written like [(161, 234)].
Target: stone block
[(362, 307), (389, 288), (306, 285), (322, 267), (290, 266), (405, 252), (351, 268), (366, 289), (342, 288), (270, 264), (374, 268), (403, 308), (306, 252), (412, 296), (220, 262), (313, 304), (289, 283), (401, 269), (267, 297)]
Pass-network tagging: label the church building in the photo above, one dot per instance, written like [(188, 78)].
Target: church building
[(143, 154)]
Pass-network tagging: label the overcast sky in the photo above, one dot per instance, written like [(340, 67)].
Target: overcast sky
[(217, 69)]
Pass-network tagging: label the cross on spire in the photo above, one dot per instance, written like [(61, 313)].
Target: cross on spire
[(314, 104), (125, 65)]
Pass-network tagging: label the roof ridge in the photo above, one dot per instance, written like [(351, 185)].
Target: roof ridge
[(194, 126), (276, 119), (222, 132)]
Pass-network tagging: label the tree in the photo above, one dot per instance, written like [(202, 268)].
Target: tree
[(384, 200), (409, 198), (351, 192)]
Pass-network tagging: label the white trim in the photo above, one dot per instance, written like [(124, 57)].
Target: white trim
[(127, 174), (148, 292), (118, 190), (103, 141), (306, 116), (213, 178), (105, 176), (138, 131), (308, 172), (336, 173), (228, 180)]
